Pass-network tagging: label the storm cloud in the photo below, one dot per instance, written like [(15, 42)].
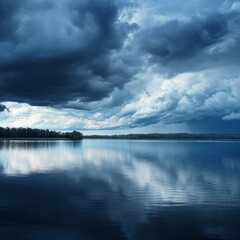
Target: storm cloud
[(119, 64), (179, 40), (59, 51)]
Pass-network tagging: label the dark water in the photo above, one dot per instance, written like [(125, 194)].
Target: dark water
[(119, 189)]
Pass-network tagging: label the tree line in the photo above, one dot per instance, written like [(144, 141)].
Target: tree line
[(38, 133), (169, 136)]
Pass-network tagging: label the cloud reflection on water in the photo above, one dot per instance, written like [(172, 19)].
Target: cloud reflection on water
[(152, 173), (97, 189)]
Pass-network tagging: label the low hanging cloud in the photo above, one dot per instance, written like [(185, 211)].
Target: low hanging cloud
[(166, 101), (185, 97)]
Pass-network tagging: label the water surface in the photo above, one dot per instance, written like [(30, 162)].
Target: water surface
[(119, 189)]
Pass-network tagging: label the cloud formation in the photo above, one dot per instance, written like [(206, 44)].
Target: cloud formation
[(120, 64), (60, 51), (178, 40), (3, 108)]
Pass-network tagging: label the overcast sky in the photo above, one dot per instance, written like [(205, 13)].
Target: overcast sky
[(120, 66)]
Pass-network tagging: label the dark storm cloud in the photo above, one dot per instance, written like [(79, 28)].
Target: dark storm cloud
[(52, 53), (8, 21), (179, 40)]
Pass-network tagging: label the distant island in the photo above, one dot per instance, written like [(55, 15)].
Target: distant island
[(29, 133), (169, 136)]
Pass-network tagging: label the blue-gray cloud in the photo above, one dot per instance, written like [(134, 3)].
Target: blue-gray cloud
[(57, 52), (178, 40), (126, 62)]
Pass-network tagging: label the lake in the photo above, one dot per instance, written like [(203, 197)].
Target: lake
[(119, 189)]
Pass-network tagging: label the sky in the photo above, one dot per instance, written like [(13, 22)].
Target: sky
[(120, 66)]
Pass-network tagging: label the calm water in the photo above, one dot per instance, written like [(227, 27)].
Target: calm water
[(119, 189)]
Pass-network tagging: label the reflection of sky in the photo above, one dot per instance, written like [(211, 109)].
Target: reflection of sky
[(105, 189), (27, 158), (152, 173)]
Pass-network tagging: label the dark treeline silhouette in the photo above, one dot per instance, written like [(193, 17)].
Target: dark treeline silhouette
[(169, 136), (26, 133)]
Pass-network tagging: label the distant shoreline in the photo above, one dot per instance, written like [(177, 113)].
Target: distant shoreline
[(168, 136), (109, 138), (152, 136)]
